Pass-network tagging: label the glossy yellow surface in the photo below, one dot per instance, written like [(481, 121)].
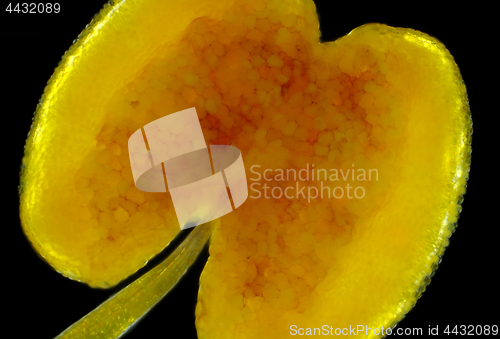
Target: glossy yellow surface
[(382, 98), (120, 312)]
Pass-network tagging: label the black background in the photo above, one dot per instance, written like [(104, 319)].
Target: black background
[(40, 303)]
